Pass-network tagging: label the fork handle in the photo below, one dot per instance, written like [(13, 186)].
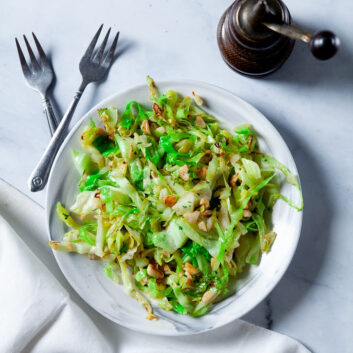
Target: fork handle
[(40, 174), (49, 113)]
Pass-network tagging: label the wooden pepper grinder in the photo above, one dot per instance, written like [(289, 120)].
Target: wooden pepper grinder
[(256, 37)]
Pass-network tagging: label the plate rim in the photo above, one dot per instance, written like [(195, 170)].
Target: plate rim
[(252, 110)]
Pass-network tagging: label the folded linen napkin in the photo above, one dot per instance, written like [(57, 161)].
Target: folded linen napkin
[(41, 313)]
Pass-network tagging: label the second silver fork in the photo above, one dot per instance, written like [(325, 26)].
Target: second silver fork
[(93, 66)]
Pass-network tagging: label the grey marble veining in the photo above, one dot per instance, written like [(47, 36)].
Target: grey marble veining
[(309, 102)]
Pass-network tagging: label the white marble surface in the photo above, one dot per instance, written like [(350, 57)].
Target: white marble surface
[(310, 102)]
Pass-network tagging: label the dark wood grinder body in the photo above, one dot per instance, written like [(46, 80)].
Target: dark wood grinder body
[(246, 45)]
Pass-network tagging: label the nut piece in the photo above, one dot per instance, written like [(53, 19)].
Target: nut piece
[(161, 130), (166, 269), (183, 172), (206, 213), (153, 174), (209, 296), (93, 257), (154, 272), (144, 281), (165, 253), (192, 217), (213, 263), (233, 180), (197, 98), (170, 200), (203, 172), (247, 213), (190, 269), (158, 111), (199, 122), (204, 202), (190, 280), (145, 127), (202, 226), (209, 223)]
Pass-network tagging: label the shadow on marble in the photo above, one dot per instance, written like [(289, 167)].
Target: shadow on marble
[(302, 68), (316, 230), (122, 47), (314, 240)]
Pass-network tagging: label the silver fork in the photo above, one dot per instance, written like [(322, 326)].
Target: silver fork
[(93, 67), (39, 76)]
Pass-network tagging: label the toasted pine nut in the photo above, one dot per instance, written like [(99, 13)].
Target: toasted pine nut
[(204, 202), (209, 296), (199, 122), (145, 127), (202, 226), (247, 213), (189, 279), (183, 172), (165, 253), (192, 270), (170, 200), (154, 272), (166, 269), (144, 281), (161, 130), (198, 99), (213, 263), (206, 213), (192, 217), (209, 223)]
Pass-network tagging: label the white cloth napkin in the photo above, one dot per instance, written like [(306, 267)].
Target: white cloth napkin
[(39, 312)]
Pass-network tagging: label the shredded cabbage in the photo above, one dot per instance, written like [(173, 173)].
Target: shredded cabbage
[(173, 204)]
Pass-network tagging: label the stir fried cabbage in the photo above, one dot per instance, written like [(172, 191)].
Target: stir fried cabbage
[(174, 205)]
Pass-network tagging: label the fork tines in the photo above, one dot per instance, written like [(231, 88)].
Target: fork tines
[(100, 57), (34, 63)]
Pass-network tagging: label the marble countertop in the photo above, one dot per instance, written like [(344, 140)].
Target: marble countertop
[(309, 102)]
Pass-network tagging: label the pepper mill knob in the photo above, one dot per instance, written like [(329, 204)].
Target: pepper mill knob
[(257, 36), (324, 45)]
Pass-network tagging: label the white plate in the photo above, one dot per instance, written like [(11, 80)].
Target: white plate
[(109, 299)]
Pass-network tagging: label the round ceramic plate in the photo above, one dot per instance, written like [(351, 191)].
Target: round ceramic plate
[(87, 277)]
